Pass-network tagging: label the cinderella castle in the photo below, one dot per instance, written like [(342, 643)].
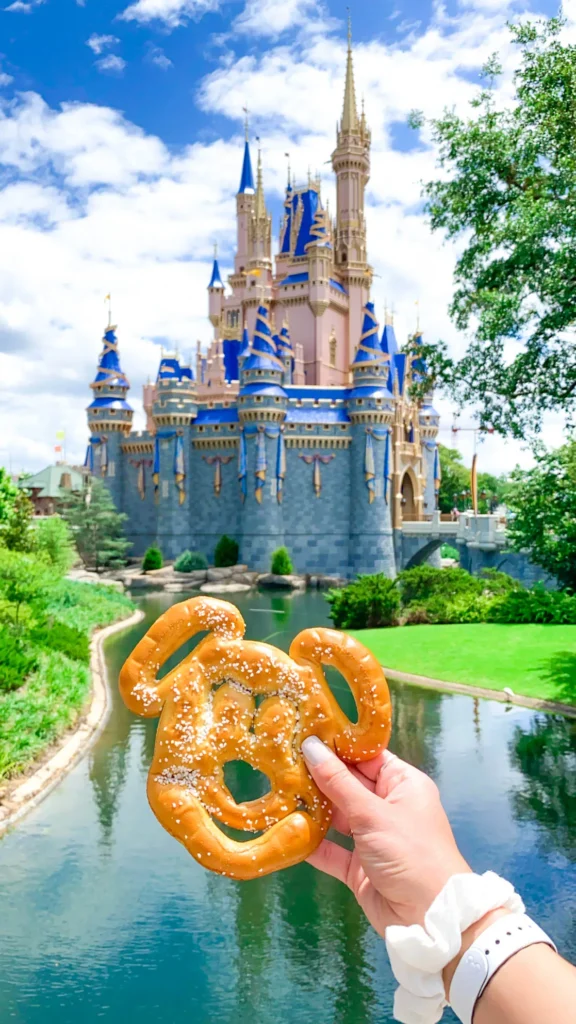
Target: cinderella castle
[(297, 426)]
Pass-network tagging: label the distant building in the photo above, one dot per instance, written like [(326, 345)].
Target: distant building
[(52, 484), (299, 425)]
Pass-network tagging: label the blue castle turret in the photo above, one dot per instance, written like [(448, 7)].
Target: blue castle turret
[(174, 412), (370, 409), (109, 417), (262, 404)]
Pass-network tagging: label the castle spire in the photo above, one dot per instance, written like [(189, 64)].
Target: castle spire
[(349, 111), (247, 177), (260, 211)]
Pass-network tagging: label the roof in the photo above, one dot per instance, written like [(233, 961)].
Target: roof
[(109, 370), (294, 279), (247, 178), (370, 391), (264, 388), (207, 416), (263, 355), (49, 481), (231, 349), (389, 343), (369, 351), (315, 392), (316, 414), (103, 402), (399, 370), (287, 232), (216, 280), (170, 369), (283, 343), (339, 287)]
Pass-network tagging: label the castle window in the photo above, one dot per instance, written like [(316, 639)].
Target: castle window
[(359, 401), (333, 345), (258, 398), (112, 412)]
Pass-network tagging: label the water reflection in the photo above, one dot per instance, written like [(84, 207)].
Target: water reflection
[(416, 725), (546, 756)]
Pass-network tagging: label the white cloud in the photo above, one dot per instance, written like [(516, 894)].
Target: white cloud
[(112, 62), (272, 17), (157, 56), (100, 43), (5, 78), (24, 6), (171, 12)]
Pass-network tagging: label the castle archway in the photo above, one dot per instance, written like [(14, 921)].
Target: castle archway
[(408, 501)]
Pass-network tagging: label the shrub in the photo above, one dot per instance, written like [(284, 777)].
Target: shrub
[(59, 636), (152, 559), (281, 563), (535, 605), (447, 551), (423, 582), (226, 552), (367, 603), (53, 540), (189, 561), (17, 661)]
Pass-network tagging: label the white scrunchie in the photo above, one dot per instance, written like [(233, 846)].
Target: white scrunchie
[(418, 955)]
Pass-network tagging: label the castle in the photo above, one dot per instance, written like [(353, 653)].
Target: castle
[(297, 427)]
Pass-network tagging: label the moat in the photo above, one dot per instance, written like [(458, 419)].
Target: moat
[(105, 917)]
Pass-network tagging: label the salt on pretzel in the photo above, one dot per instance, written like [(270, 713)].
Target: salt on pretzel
[(209, 716)]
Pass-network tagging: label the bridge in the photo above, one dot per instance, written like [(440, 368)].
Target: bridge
[(479, 539)]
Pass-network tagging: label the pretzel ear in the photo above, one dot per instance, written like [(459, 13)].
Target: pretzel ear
[(352, 741), (140, 688)]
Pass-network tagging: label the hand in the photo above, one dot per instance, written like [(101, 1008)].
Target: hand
[(404, 849)]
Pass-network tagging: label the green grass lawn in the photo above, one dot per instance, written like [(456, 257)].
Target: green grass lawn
[(534, 660)]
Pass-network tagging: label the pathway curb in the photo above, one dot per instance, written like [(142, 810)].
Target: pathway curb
[(72, 747), (534, 703)]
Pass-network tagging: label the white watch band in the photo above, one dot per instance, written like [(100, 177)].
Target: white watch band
[(507, 936)]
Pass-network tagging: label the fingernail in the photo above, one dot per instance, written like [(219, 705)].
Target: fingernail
[(315, 751)]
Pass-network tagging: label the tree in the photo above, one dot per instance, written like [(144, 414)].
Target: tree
[(455, 480), (509, 192), (97, 528), (543, 502), (53, 540), (17, 534), (8, 495), (23, 581)]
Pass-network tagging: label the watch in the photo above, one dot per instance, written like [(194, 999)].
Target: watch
[(489, 951)]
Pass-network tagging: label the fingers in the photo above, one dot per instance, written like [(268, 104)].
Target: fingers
[(361, 807), (332, 859)]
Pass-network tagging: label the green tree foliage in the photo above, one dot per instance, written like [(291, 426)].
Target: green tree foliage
[(543, 500), (8, 495), (281, 563), (97, 528), (17, 534), (24, 582), (152, 559), (17, 660), (455, 485), (190, 561), (53, 541), (226, 552), (507, 191), (368, 602)]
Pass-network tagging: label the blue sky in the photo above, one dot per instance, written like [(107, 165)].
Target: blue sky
[(120, 150)]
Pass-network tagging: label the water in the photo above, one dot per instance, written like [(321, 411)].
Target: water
[(104, 916)]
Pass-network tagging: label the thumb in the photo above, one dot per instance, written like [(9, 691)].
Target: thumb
[(362, 809)]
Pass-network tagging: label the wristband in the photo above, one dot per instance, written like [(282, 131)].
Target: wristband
[(486, 955), (418, 955)]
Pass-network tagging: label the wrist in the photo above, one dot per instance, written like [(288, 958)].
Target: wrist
[(468, 938)]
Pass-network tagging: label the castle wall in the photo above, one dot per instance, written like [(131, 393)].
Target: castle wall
[(142, 513), (371, 541), (211, 515), (317, 528)]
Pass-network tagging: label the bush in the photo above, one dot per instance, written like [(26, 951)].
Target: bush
[(189, 561), (226, 552), (281, 563), (59, 636), (367, 603), (447, 551), (422, 583), (53, 541), (152, 559), (17, 661), (535, 605)]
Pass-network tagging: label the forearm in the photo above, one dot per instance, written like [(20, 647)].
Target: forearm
[(535, 986)]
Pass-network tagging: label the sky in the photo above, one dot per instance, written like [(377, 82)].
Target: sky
[(121, 133)]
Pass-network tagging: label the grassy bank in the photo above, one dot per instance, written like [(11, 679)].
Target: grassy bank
[(533, 660), (53, 696)]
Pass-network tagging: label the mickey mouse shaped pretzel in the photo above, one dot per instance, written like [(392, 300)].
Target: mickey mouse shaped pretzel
[(209, 717)]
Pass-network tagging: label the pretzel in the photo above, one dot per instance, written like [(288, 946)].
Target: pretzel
[(209, 716)]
